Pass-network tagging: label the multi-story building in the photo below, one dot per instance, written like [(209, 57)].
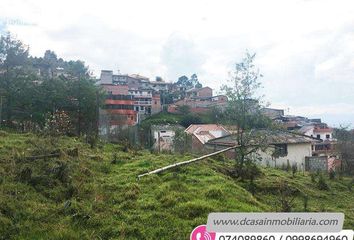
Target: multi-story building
[(321, 131), (160, 86), (200, 102), (146, 102), (196, 93), (129, 99), (118, 110)]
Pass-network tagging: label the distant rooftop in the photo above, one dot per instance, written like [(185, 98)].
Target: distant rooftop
[(267, 136)]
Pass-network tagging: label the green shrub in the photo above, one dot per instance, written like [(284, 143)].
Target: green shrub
[(294, 169), (305, 199), (322, 184), (249, 171), (313, 177), (3, 133), (332, 174), (115, 159), (287, 195), (105, 168), (25, 175), (350, 185), (288, 167)]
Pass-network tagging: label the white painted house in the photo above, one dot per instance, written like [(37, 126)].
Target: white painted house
[(163, 136), (282, 147)]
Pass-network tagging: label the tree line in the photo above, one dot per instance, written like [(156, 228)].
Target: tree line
[(46, 93)]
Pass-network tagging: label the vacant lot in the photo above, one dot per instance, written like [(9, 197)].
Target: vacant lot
[(96, 195)]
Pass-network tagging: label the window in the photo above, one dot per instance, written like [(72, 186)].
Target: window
[(318, 136), (281, 150), (141, 108), (327, 136)]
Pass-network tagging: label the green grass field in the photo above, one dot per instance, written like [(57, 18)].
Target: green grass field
[(97, 195)]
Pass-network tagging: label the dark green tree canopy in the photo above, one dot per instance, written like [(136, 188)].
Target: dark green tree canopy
[(188, 83), (34, 88)]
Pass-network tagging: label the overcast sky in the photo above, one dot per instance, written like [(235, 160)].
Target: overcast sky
[(305, 48)]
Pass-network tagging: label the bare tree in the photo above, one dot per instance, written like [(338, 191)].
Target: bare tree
[(244, 109)]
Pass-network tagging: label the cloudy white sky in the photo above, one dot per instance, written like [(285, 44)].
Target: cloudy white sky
[(305, 48)]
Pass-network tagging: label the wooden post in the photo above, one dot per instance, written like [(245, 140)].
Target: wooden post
[(186, 162)]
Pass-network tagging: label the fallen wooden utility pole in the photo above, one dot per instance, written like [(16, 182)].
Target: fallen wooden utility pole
[(186, 162), (55, 155)]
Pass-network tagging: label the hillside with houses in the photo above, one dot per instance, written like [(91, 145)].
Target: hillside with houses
[(131, 98), (122, 156)]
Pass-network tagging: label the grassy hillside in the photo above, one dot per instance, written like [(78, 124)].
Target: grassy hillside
[(97, 196)]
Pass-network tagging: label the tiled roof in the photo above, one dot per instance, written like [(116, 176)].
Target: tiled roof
[(322, 130), (266, 136)]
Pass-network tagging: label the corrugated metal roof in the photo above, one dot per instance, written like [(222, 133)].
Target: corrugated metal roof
[(267, 136)]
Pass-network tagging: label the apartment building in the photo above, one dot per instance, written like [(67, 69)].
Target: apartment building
[(118, 109), (130, 99)]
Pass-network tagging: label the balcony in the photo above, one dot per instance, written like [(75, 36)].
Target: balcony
[(142, 103), (141, 95)]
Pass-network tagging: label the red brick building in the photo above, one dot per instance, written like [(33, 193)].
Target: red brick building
[(119, 106), (200, 104)]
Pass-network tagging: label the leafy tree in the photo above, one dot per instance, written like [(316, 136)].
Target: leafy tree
[(49, 63), (195, 82), (183, 81), (189, 119), (31, 88), (166, 97), (188, 83), (182, 141), (244, 110), (184, 109), (345, 148), (15, 77)]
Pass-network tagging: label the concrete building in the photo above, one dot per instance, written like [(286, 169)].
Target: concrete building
[(129, 99), (289, 147), (327, 146), (163, 136), (203, 92), (160, 86), (118, 110), (200, 104)]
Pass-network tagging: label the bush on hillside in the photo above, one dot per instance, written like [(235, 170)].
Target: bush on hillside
[(332, 174), (287, 196), (322, 184), (189, 119)]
